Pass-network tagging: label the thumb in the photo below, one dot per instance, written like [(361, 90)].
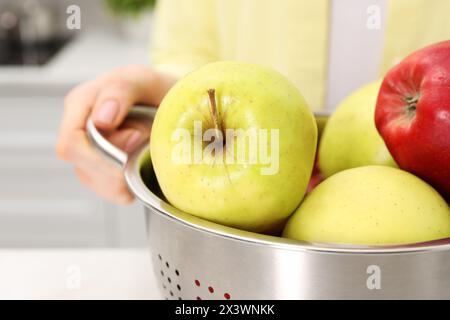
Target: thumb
[(112, 105)]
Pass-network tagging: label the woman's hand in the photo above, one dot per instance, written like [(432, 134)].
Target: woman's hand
[(108, 100)]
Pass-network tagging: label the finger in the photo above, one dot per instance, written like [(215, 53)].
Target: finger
[(144, 125), (126, 139), (112, 189), (78, 105), (131, 134), (74, 147), (83, 177), (77, 108), (113, 104), (128, 86)]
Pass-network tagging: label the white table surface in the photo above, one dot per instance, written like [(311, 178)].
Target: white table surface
[(76, 274)]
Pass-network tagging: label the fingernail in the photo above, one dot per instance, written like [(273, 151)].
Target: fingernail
[(133, 141), (108, 112)]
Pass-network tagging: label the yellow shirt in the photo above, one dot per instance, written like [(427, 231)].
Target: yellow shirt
[(288, 35)]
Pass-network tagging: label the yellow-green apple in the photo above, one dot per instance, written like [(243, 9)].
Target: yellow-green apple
[(213, 117), (373, 205), (350, 138), (413, 114)]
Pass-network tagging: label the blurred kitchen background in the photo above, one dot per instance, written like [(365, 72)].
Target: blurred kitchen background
[(41, 58)]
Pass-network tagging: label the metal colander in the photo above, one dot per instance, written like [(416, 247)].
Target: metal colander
[(197, 259)]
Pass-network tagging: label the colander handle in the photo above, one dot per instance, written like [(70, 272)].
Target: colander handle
[(110, 151)]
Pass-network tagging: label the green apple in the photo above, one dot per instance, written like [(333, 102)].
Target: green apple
[(257, 192), (373, 205), (350, 138)]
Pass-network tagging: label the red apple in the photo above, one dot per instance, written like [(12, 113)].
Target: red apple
[(316, 177), (413, 114)]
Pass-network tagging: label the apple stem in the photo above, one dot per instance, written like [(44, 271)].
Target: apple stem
[(215, 114), (412, 103)]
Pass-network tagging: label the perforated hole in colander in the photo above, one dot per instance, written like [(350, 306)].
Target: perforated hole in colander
[(209, 292), (169, 280), (172, 288)]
